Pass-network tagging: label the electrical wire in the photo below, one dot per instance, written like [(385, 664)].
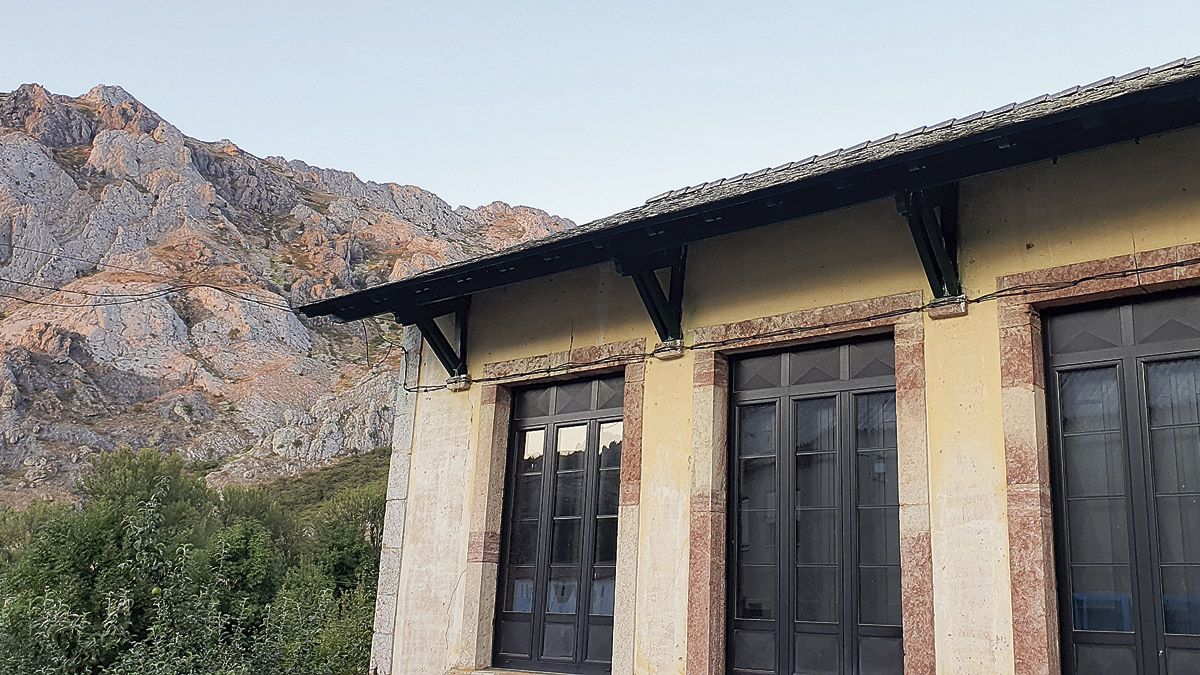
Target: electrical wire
[(178, 283), (1012, 291), (622, 359)]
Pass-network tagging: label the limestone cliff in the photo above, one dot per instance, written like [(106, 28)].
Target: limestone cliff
[(145, 281)]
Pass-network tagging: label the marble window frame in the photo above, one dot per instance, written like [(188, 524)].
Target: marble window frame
[(485, 511), (1034, 594), (706, 621)]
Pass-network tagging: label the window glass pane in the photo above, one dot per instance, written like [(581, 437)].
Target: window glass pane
[(516, 637), (816, 479), (533, 447), (1098, 530), (532, 403), (756, 430), (878, 478), (1176, 459), (523, 543), (610, 444), (756, 483), (879, 595), (573, 397), (1179, 528), (759, 372), (606, 541), (753, 650), (816, 425), (880, 656), (1105, 660), (816, 365), (875, 420), (558, 641), (879, 535), (568, 493), (817, 654), (599, 642), (1181, 599), (872, 359), (572, 442), (1085, 331), (609, 492), (755, 591), (604, 591), (564, 549), (756, 536), (1167, 320), (1173, 392), (562, 590), (1090, 401), (817, 594), (528, 497), (610, 393), (1095, 464), (1101, 598), (816, 536), (518, 590)]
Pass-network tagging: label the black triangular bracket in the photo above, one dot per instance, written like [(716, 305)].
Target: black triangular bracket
[(932, 215), (664, 307), (454, 360)]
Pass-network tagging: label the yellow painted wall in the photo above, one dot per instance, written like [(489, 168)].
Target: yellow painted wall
[(1088, 206)]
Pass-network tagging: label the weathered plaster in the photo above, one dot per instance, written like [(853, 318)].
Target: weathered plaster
[(393, 520), (1124, 201)]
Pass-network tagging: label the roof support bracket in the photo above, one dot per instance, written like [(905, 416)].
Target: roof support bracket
[(664, 307), (932, 215), (452, 358)]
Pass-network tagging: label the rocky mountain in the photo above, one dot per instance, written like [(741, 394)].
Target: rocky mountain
[(146, 280)]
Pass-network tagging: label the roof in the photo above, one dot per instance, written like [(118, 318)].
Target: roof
[(1125, 106)]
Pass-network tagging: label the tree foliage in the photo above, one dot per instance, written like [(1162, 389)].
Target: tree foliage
[(155, 574)]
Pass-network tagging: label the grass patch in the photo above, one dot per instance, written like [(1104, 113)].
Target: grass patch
[(305, 492)]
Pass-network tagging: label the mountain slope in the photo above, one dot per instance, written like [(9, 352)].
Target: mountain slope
[(146, 278)]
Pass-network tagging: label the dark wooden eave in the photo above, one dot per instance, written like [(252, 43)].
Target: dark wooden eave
[(928, 169)]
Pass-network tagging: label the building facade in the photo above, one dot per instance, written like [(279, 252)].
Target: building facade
[(917, 406)]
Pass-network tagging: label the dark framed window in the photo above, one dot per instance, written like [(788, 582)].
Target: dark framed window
[(557, 580), (814, 526), (1124, 399)]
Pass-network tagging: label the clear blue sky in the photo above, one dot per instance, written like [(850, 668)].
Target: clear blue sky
[(580, 108)]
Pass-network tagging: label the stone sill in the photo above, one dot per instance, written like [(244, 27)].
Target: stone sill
[(501, 671)]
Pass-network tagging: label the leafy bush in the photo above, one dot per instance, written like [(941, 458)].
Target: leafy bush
[(157, 574)]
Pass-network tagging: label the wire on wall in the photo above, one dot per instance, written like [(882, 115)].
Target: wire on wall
[(618, 359)]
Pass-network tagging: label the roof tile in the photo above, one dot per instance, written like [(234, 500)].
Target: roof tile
[(692, 196), (1033, 101), (1098, 83), (1065, 92), (1169, 65), (1002, 109), (1133, 74)]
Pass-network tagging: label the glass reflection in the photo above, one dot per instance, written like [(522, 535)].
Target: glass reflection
[(611, 434), (562, 591), (572, 442), (533, 448)]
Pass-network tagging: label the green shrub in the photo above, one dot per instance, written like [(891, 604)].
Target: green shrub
[(157, 574)]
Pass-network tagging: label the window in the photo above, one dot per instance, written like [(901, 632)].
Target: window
[(1124, 395), (814, 560), (557, 576)]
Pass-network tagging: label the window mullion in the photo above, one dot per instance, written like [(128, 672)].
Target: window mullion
[(591, 476), (785, 558), (848, 503), (1143, 531), (545, 532)]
